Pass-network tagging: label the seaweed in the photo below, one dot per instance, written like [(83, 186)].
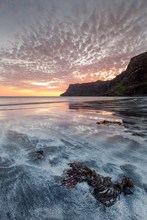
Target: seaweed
[(104, 190)]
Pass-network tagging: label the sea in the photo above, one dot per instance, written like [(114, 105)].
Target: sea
[(39, 136)]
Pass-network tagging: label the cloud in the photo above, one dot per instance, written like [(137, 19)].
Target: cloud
[(87, 44)]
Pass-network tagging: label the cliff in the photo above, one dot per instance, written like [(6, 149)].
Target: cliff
[(131, 82)]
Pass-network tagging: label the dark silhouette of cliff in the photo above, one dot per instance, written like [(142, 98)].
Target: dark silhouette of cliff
[(131, 82)]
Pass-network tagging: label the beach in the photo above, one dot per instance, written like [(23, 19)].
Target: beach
[(40, 136)]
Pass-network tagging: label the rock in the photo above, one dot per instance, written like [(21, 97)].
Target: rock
[(107, 122), (39, 154)]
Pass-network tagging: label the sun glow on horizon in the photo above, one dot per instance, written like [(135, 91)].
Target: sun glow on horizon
[(54, 87), (11, 91)]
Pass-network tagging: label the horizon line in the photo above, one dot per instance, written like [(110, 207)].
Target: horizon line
[(27, 96)]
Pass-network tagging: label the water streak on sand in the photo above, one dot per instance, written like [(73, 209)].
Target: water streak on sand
[(66, 130)]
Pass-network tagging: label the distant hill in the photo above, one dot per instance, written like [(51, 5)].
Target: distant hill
[(131, 82)]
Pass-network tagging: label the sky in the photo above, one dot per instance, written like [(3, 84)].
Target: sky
[(45, 45)]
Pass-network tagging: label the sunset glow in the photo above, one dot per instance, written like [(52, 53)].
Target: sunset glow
[(11, 91)]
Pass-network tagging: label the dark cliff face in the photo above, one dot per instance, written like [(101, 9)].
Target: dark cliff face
[(133, 81), (87, 89)]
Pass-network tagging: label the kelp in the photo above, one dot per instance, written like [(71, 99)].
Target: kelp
[(104, 190)]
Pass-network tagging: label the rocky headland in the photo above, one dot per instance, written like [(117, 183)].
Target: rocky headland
[(131, 82)]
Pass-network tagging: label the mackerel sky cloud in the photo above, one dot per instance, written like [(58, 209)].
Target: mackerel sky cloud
[(47, 44)]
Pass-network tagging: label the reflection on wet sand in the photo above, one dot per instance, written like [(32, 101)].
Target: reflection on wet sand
[(132, 111), (38, 141)]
